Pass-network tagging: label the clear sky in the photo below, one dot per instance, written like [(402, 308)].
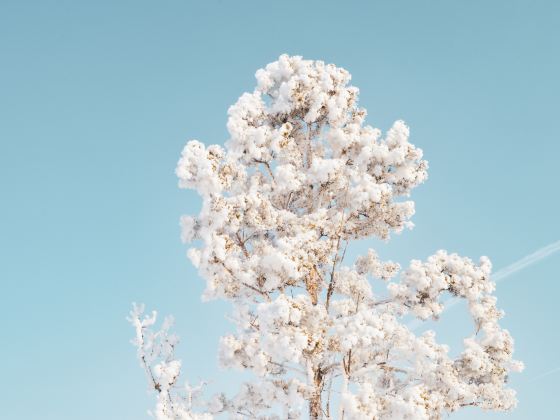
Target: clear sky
[(98, 97)]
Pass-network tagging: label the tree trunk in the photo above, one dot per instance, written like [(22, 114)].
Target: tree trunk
[(315, 411), (315, 404)]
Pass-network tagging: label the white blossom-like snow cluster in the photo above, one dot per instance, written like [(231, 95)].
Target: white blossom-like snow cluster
[(300, 177)]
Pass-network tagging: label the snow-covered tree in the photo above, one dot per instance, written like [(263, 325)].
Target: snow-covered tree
[(300, 177)]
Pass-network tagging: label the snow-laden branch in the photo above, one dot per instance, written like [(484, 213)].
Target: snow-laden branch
[(156, 353)]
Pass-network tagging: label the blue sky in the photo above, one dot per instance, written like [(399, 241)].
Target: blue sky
[(97, 99)]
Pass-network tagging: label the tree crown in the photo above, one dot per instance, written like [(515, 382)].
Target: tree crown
[(300, 177)]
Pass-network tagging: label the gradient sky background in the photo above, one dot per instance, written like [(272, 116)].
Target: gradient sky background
[(97, 99)]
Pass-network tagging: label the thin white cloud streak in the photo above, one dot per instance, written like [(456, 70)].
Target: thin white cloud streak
[(505, 272), (545, 374), (527, 261)]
